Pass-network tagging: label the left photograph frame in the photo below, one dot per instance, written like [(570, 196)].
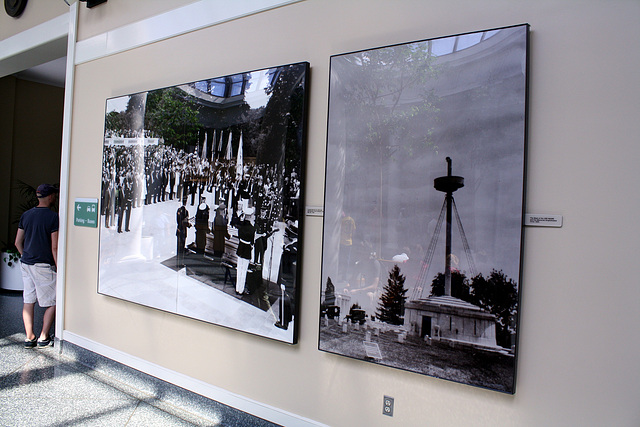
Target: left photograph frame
[(202, 199)]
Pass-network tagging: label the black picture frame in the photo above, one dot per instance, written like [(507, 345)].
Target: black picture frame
[(424, 203), (203, 197)]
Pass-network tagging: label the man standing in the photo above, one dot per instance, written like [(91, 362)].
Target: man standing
[(220, 232), (246, 238), (37, 242), (182, 220)]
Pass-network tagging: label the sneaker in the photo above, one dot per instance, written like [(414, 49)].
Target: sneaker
[(30, 343), (45, 343)]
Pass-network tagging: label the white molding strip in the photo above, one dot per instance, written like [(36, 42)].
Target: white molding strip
[(179, 21), (53, 29), (37, 45), (218, 394), (65, 166)]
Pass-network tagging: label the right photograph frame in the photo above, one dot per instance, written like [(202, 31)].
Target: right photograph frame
[(424, 206)]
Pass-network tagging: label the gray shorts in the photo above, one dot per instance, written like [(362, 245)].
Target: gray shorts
[(39, 284)]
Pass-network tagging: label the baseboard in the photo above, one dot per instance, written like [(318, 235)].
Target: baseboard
[(209, 391)]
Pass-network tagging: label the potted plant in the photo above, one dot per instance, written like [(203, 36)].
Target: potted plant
[(10, 271)]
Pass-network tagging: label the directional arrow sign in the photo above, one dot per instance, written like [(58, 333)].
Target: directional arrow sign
[(86, 213)]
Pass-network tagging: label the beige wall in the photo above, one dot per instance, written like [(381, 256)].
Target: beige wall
[(579, 321)]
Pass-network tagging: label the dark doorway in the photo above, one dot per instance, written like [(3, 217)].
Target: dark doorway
[(426, 327)]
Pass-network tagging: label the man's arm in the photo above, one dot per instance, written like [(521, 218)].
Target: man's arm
[(54, 246), (20, 240)]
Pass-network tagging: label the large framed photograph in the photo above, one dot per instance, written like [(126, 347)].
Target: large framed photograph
[(424, 202), (202, 199)]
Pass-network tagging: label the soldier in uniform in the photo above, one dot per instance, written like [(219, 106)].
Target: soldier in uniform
[(246, 236)]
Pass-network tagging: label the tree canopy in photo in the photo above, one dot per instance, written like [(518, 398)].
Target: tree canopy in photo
[(385, 91), (496, 293), (172, 114)]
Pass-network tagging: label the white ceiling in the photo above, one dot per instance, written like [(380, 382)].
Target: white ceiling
[(50, 73)]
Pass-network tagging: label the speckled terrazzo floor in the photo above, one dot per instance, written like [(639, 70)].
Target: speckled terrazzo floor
[(67, 385)]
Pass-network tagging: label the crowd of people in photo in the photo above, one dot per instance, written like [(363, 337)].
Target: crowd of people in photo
[(136, 175), (256, 200)]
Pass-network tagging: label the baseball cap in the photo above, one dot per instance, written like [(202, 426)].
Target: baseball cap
[(45, 189)]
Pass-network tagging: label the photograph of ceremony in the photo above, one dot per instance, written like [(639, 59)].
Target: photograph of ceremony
[(424, 200), (202, 194)]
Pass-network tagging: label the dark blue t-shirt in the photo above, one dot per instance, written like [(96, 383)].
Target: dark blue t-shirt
[(38, 223)]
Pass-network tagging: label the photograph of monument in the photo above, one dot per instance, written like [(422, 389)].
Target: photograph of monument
[(202, 194), (424, 203)]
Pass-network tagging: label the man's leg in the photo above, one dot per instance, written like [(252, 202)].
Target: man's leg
[(46, 292), (120, 213), (127, 217), (29, 300), (27, 317), (47, 321), (241, 274)]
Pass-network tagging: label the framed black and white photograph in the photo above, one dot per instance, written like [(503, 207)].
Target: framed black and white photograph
[(424, 202), (202, 199)]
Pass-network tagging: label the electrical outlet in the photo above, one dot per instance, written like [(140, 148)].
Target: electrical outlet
[(387, 406)]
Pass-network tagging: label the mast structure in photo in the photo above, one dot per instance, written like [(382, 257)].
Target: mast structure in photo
[(447, 318), (447, 184)]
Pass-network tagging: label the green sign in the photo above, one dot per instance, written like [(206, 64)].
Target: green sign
[(86, 213)]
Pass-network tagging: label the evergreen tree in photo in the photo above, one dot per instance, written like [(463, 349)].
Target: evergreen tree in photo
[(391, 305)]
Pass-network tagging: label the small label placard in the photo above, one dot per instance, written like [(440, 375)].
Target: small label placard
[(540, 220), (85, 213), (315, 211), (373, 350)]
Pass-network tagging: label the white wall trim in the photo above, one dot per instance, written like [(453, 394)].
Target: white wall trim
[(37, 45), (65, 165), (218, 394), (53, 29), (175, 22)]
